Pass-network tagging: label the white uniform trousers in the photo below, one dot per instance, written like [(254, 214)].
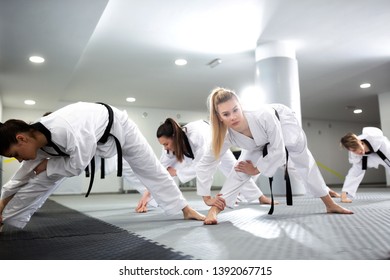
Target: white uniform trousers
[(29, 198)]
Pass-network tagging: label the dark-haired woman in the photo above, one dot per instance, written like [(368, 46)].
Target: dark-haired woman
[(184, 148), (63, 143)]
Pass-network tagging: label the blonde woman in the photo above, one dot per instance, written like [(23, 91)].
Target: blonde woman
[(274, 126)]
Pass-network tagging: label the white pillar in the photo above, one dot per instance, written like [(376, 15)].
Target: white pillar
[(278, 80), (384, 105)]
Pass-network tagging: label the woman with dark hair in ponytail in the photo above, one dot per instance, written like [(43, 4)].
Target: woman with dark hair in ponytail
[(64, 143), (183, 147)]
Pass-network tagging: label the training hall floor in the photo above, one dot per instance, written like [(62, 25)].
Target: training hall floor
[(299, 232)]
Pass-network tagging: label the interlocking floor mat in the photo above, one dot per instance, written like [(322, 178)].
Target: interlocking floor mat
[(56, 232)]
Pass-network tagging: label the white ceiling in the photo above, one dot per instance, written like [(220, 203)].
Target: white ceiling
[(99, 50)]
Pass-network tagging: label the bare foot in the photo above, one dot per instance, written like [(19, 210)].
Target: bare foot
[(211, 218), (344, 198), (337, 209), (266, 200), (192, 214), (332, 207), (332, 193)]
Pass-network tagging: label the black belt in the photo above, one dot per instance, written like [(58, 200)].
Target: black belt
[(103, 140), (286, 177), (288, 183)]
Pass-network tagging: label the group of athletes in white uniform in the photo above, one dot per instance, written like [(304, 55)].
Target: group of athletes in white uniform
[(62, 145)]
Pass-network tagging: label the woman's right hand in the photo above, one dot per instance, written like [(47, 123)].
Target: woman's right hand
[(217, 201)]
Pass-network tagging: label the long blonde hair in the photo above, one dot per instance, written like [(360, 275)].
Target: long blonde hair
[(218, 128)]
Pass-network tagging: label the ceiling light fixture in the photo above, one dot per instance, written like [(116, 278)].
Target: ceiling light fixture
[(29, 102), (37, 59), (130, 99), (180, 62), (215, 62), (365, 85), (357, 111)]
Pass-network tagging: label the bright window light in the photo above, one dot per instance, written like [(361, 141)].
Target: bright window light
[(227, 27), (252, 98)]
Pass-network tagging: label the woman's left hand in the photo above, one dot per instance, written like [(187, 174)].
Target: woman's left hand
[(246, 167)]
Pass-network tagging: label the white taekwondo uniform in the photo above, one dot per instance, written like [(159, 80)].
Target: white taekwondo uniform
[(280, 134), (356, 173), (76, 130), (199, 138)]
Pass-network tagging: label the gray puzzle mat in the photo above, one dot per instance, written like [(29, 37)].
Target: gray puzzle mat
[(56, 232)]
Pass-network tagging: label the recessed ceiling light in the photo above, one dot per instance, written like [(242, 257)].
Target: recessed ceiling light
[(130, 99), (215, 62), (36, 59), (29, 102), (180, 62), (357, 111), (365, 85)]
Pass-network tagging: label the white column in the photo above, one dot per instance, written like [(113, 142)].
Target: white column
[(384, 105), (278, 80)]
